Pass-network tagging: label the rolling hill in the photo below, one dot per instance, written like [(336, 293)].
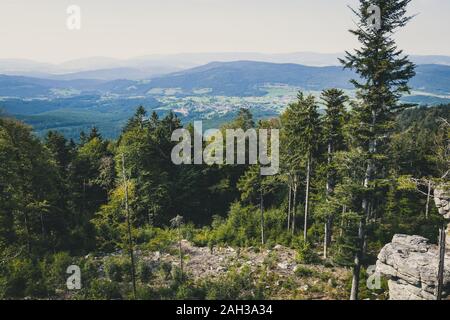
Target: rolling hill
[(212, 92), (239, 78), (248, 78)]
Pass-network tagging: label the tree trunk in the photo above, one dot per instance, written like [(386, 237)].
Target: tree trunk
[(325, 241), (262, 216), (361, 236), (294, 206), (327, 237), (440, 275), (328, 223), (181, 252), (289, 208), (130, 240), (42, 225), (427, 209), (308, 177), (357, 267), (366, 205), (27, 229)]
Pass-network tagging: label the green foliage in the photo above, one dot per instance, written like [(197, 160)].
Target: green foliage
[(22, 278), (234, 285), (145, 271), (103, 289), (60, 200), (305, 253), (302, 271), (118, 269)]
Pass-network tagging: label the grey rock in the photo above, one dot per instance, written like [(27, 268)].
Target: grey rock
[(442, 201), (411, 263), (283, 265)]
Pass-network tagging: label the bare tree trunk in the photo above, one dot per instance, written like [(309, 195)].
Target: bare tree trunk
[(357, 267), (27, 229), (328, 227), (262, 215), (427, 209), (440, 275), (181, 252), (289, 208), (344, 210), (325, 241), (130, 240), (361, 237), (366, 208), (42, 226), (294, 206), (308, 177), (327, 237)]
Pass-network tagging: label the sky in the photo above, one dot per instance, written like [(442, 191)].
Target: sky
[(37, 30)]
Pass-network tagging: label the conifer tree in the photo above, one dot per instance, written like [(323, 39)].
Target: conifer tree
[(333, 124), (383, 72), (302, 125)]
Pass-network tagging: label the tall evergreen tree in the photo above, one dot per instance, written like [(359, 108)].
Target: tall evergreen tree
[(383, 72), (333, 127), (302, 125)]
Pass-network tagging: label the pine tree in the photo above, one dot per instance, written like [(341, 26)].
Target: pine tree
[(383, 73), (333, 127), (139, 119), (302, 125)]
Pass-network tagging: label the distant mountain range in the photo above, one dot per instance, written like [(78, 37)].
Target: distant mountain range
[(150, 66), (213, 92), (239, 78)]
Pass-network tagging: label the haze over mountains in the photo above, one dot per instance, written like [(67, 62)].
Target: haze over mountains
[(144, 67)]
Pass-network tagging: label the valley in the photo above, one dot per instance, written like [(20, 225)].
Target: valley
[(213, 93)]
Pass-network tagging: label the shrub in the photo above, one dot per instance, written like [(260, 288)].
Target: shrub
[(165, 269), (145, 272), (302, 271), (103, 289), (23, 278), (305, 253), (118, 269), (54, 269), (235, 285)]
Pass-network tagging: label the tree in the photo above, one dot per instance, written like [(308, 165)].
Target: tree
[(333, 127), (139, 119), (302, 126), (130, 238), (28, 194), (384, 73)]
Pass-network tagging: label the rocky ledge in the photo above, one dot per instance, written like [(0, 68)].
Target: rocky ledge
[(411, 263)]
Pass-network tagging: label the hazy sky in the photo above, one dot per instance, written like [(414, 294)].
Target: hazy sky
[(127, 28)]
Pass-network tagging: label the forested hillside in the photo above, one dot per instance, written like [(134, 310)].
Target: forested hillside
[(61, 201), (138, 226)]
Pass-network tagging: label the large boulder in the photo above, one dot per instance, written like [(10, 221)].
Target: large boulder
[(411, 265)]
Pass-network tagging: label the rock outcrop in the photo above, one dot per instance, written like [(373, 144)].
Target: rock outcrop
[(411, 265), (442, 201)]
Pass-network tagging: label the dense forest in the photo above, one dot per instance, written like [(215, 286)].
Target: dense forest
[(340, 196), (61, 201)]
